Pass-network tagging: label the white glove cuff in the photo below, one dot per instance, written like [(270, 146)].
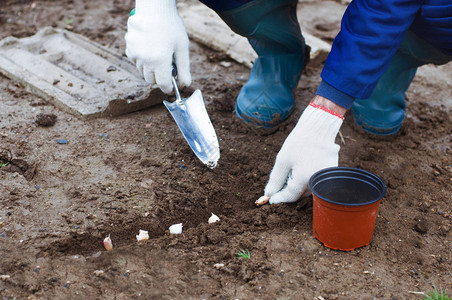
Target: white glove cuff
[(321, 121), (161, 8)]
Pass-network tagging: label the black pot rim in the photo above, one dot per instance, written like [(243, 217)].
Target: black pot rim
[(381, 185)]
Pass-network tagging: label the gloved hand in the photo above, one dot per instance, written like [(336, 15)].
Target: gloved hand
[(308, 148), (155, 37)]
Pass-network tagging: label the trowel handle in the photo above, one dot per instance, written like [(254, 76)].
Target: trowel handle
[(174, 72), (173, 79)]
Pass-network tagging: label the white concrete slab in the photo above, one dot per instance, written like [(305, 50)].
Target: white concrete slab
[(76, 74), (206, 27)]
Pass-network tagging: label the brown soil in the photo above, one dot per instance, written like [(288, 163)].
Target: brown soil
[(115, 176)]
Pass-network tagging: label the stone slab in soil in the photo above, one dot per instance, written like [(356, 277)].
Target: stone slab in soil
[(206, 27), (76, 74)]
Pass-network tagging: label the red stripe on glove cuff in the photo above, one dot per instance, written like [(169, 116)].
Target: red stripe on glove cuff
[(327, 110)]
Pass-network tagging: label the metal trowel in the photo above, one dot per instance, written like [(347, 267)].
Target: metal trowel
[(193, 121)]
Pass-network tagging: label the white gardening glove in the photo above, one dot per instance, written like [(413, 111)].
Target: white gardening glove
[(308, 148), (156, 37)]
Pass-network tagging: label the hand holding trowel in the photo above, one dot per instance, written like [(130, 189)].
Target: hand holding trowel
[(191, 116), (141, 37)]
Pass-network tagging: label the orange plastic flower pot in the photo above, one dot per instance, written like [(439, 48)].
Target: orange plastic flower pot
[(345, 206)]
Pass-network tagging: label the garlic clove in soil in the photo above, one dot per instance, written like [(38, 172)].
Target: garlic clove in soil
[(218, 266), (143, 235), (213, 218), (108, 244), (176, 228), (262, 200)]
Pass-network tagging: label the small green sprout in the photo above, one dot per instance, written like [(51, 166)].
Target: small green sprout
[(4, 164), (437, 295), (68, 21), (244, 254)]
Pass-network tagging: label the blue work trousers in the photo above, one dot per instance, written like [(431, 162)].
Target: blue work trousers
[(384, 111)]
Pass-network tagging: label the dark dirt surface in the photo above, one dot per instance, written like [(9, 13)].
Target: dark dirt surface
[(115, 176)]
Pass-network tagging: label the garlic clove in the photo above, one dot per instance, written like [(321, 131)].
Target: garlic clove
[(213, 218), (143, 235), (176, 228), (108, 244), (218, 266), (262, 200)]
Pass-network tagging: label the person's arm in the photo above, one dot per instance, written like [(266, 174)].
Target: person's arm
[(330, 105), (155, 36), (371, 32)]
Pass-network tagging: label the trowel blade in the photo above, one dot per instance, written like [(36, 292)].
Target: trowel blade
[(193, 121)]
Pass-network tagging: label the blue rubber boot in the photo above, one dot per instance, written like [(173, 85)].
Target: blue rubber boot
[(272, 29), (384, 111)]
